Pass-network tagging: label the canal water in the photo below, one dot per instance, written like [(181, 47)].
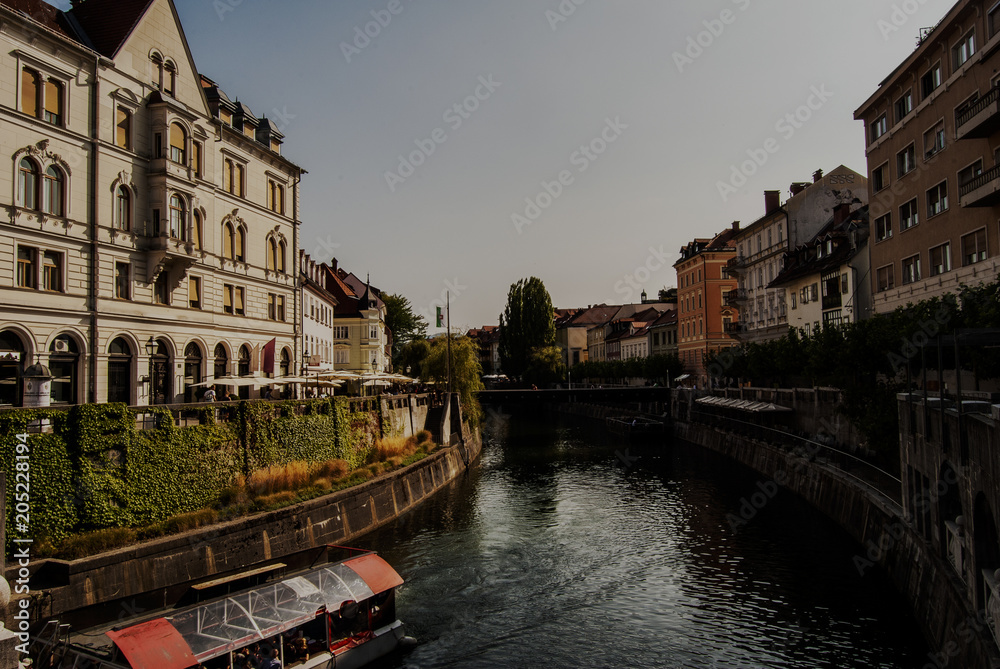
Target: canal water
[(566, 549)]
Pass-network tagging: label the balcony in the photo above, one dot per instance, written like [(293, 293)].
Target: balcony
[(737, 264), (983, 191), (735, 329), (735, 297), (981, 119), (170, 253)]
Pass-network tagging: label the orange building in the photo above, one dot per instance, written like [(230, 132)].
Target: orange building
[(703, 317)]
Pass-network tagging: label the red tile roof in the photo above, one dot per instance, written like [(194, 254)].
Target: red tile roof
[(42, 13)]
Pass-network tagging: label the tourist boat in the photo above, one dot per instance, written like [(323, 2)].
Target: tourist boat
[(635, 428), (342, 614)]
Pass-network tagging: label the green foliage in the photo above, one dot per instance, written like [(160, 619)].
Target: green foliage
[(526, 324), (404, 325), (412, 357), (466, 371), (545, 366), (658, 369)]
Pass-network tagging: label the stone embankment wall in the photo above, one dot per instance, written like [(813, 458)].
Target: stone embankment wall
[(958, 634), (147, 575)]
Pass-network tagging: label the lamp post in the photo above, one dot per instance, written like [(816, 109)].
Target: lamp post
[(150, 350), (305, 367)]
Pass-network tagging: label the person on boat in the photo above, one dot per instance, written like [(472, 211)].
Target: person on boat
[(272, 662)]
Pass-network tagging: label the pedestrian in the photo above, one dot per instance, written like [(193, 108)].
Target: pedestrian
[(271, 662), (209, 395)]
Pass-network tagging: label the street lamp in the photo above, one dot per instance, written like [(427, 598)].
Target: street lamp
[(150, 350), (305, 365)]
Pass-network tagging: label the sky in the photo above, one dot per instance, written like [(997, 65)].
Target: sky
[(456, 146)]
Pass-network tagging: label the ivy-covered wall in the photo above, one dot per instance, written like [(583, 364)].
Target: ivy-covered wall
[(97, 469)]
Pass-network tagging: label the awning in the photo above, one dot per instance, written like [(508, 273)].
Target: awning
[(153, 645), (682, 377), (742, 405), (202, 632)]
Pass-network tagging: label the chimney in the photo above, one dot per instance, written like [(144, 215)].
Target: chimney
[(817, 175), (798, 187), (772, 200), (736, 226)]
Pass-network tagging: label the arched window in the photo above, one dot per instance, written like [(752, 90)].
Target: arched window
[(286, 362), (162, 376), (156, 74), (199, 230), (228, 241), (27, 184), (169, 78), (243, 369), (239, 245), (272, 254), (221, 367), (64, 357), (52, 191), (178, 225), (120, 371), (281, 257), (123, 208), (192, 371)]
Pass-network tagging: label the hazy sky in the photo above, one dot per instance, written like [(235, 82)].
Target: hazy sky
[(618, 119)]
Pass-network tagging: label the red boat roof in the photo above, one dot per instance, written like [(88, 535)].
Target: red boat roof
[(154, 645), (376, 572)]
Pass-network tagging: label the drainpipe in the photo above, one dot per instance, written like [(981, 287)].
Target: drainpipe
[(93, 293)]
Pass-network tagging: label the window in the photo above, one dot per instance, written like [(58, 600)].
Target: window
[(30, 91), (52, 191), (194, 292), (238, 181), (795, 300), (26, 273), (156, 72), (123, 284), (911, 269), (342, 356), (276, 307), (178, 225), (178, 144), (123, 208), (228, 241), (239, 245), (53, 102), (157, 145), (275, 197), (373, 332), (974, 247), (930, 81), (885, 279), (906, 160), (27, 183), (227, 175), (340, 332), (281, 257), (883, 228), (937, 199), (272, 254), (880, 177), (52, 271), (963, 51), (198, 233), (227, 298), (877, 129), (161, 288), (239, 301), (908, 215), (970, 173), (904, 106), (934, 140), (123, 128), (196, 158), (169, 78), (941, 259), (993, 19)]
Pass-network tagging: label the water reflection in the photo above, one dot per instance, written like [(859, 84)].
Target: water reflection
[(556, 551)]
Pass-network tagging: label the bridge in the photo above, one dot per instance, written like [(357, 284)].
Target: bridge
[(654, 400)]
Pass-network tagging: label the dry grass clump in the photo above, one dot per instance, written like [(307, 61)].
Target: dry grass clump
[(278, 478), (333, 469), (391, 447)]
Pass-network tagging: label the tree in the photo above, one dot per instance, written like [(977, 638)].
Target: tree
[(466, 372), (405, 325), (526, 324), (545, 366), (412, 356)]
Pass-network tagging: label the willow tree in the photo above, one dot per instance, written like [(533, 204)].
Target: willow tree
[(526, 324), (466, 371)]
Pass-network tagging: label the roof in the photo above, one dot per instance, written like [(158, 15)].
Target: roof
[(108, 23), (796, 267), (666, 318), (44, 14), (198, 633), (597, 315)]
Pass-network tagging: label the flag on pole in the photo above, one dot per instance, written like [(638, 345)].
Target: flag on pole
[(268, 362)]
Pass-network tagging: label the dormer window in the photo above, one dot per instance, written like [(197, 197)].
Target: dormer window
[(169, 78)]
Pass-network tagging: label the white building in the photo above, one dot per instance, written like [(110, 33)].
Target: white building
[(150, 222)]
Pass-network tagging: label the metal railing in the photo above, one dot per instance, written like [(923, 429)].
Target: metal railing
[(964, 116), (980, 181), (859, 470)]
